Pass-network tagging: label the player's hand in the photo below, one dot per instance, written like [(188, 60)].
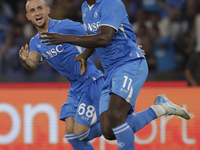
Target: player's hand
[(143, 51), (52, 38), (23, 53), (83, 63)]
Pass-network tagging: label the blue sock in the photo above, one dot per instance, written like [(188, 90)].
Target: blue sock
[(138, 120), (124, 136), (93, 132), (77, 144)]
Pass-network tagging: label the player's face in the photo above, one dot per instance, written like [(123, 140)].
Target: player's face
[(37, 12)]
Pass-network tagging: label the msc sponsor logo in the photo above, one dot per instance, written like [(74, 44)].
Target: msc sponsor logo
[(91, 26), (53, 52)]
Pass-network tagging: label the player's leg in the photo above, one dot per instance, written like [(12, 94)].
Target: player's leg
[(162, 106), (126, 83), (71, 137), (138, 120), (88, 133), (88, 112), (106, 126), (117, 112), (69, 124), (67, 114), (144, 117)]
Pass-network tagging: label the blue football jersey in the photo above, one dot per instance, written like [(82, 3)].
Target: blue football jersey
[(122, 47), (61, 57)]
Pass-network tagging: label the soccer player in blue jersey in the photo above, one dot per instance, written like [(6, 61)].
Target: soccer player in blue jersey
[(81, 111), (110, 33)]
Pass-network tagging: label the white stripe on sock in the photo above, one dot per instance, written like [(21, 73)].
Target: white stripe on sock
[(87, 132), (121, 130), (120, 127)]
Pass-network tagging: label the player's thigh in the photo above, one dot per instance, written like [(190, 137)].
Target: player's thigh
[(68, 112), (72, 127), (69, 124), (69, 108), (106, 126), (117, 110), (88, 110), (113, 106), (127, 82), (118, 104), (79, 128)]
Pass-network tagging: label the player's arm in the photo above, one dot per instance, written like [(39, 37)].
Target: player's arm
[(29, 60), (83, 59), (102, 39)]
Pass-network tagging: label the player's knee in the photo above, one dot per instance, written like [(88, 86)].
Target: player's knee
[(69, 129), (115, 118), (108, 134), (69, 125), (77, 132), (80, 128)]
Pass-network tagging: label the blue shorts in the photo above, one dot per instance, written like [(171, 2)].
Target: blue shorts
[(126, 81), (83, 105)]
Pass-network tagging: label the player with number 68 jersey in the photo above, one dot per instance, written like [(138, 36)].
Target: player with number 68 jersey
[(81, 110)]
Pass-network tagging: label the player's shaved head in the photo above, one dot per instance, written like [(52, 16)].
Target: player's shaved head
[(30, 0), (27, 2)]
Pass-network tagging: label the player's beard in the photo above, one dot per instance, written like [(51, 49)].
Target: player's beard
[(41, 26)]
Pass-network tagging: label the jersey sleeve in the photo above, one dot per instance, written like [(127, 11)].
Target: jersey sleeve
[(112, 14), (33, 47), (72, 27)]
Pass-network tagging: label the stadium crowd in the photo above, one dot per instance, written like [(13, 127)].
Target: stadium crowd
[(168, 30)]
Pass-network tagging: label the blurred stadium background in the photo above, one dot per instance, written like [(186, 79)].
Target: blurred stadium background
[(168, 30)]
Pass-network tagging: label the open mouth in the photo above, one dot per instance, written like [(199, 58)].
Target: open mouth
[(39, 19)]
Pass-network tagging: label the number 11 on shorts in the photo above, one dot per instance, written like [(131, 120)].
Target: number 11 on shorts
[(125, 82)]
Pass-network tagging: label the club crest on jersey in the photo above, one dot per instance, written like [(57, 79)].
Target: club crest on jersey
[(96, 14)]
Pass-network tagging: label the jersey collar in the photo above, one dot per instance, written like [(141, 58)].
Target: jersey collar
[(97, 1), (51, 23)]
